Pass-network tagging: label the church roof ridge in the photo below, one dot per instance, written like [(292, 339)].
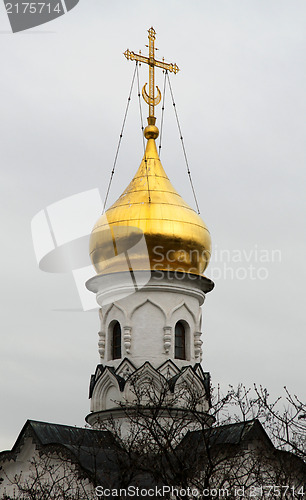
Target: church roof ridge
[(232, 433)]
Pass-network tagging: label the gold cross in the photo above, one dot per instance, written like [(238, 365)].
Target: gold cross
[(152, 62)]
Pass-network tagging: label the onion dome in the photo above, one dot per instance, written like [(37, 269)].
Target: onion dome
[(150, 226)]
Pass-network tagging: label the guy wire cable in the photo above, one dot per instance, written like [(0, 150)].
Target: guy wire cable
[(182, 140), (120, 138), (162, 115)]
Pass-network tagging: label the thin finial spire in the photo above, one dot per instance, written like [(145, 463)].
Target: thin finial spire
[(152, 62)]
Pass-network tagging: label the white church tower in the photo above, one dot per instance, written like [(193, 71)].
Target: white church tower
[(150, 250)]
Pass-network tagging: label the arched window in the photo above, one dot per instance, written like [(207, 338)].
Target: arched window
[(116, 341), (180, 341)]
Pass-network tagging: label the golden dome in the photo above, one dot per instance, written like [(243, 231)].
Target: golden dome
[(175, 237)]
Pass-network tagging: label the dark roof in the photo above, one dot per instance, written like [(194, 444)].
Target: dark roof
[(65, 434), (231, 434), (99, 457), (238, 432), (93, 451)]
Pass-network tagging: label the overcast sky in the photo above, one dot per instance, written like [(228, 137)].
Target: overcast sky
[(240, 96)]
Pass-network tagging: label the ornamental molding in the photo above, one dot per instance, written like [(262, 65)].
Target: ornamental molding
[(125, 369), (146, 371), (179, 306), (109, 308), (168, 369), (131, 384), (150, 301), (110, 291), (107, 381), (167, 338), (127, 338), (101, 343), (190, 378), (197, 345)]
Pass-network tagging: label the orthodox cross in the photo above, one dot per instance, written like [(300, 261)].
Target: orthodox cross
[(152, 62)]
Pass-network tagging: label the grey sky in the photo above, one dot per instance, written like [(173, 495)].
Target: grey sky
[(240, 96)]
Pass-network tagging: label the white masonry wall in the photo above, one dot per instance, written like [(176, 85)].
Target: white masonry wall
[(34, 469), (147, 318)]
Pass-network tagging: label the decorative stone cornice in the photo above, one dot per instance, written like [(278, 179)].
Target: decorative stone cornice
[(112, 287), (112, 388)]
